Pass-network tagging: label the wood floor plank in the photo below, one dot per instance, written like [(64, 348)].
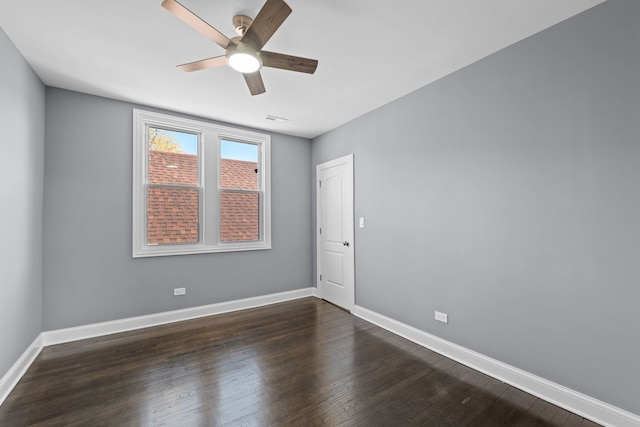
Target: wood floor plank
[(299, 363)]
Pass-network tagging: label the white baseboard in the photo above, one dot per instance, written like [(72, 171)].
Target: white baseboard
[(578, 403), (60, 336), (11, 378)]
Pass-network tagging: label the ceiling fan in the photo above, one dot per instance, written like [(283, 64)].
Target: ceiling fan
[(244, 52)]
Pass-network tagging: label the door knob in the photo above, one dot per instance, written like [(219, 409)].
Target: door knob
[(345, 243)]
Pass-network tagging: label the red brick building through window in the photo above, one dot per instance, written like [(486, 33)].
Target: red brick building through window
[(173, 212)]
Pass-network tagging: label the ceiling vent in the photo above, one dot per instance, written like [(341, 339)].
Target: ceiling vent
[(276, 118)]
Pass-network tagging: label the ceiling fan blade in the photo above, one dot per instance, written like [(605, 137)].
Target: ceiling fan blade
[(203, 64), (288, 62), (194, 21), (268, 20), (254, 81)]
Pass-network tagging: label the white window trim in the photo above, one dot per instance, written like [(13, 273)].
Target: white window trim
[(208, 146)]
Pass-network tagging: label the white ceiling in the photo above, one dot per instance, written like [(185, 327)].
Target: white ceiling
[(369, 52)]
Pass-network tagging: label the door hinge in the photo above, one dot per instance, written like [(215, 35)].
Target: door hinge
[(320, 230), (320, 184), (321, 277)]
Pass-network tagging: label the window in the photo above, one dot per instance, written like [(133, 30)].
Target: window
[(239, 192), (198, 187)]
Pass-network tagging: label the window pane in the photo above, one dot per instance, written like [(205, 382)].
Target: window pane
[(238, 166), (172, 215), (239, 217), (173, 157)]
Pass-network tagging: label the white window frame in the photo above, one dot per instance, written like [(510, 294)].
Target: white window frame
[(209, 137)]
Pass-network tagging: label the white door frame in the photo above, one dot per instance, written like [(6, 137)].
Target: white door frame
[(348, 159)]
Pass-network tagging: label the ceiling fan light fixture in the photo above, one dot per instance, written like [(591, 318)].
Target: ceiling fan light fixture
[(243, 58), (244, 62)]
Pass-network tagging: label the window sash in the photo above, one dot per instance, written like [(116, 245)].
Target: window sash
[(260, 163), (199, 189), (198, 154), (260, 230)]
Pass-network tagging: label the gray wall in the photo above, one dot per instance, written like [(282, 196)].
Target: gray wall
[(21, 170), (506, 195), (89, 273)]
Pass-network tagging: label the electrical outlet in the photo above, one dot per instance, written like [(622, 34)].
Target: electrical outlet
[(442, 317), (179, 291)]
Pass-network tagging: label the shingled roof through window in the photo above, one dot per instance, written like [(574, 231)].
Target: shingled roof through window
[(172, 213)]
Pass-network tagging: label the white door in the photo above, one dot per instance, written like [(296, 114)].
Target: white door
[(336, 274)]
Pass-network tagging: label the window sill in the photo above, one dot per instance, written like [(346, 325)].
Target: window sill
[(155, 251)]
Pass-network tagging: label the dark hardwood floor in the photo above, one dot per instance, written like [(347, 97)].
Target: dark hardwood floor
[(299, 363)]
